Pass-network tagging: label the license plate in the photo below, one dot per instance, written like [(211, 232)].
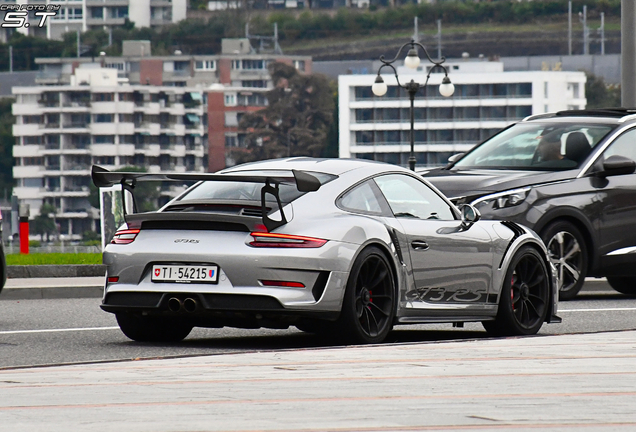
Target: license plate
[(185, 273)]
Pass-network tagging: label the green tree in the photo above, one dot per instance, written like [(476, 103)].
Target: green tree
[(599, 94), (44, 223), (296, 120)]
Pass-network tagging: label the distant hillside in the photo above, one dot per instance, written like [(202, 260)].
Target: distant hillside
[(489, 43)]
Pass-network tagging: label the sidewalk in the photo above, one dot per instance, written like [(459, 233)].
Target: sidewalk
[(556, 383), (51, 287)]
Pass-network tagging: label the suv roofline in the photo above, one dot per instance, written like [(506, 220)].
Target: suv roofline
[(622, 115)]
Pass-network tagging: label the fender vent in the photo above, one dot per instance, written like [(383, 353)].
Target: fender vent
[(396, 242)]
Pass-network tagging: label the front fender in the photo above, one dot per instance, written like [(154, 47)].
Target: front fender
[(524, 237)]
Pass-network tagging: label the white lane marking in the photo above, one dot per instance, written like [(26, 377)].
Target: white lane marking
[(57, 330), (597, 310)]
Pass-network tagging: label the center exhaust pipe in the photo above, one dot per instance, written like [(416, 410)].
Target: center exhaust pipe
[(174, 304), (190, 304)]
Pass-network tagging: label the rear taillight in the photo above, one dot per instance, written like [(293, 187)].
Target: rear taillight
[(274, 240), (124, 236)]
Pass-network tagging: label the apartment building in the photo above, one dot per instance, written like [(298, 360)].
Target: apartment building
[(61, 131), (238, 65), (226, 106), (83, 15), (486, 99)]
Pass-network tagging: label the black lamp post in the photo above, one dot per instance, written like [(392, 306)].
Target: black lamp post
[(412, 61)]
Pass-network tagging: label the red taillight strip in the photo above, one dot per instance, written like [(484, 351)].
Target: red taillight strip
[(284, 240), (285, 284), (112, 279), (125, 236)]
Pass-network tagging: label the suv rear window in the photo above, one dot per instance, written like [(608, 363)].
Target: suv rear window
[(537, 146)]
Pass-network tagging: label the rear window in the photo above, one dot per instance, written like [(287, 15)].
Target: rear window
[(244, 191)]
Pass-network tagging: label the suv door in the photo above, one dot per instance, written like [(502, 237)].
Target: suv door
[(617, 231), (452, 266)]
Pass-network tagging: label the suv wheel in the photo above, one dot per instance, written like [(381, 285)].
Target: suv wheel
[(568, 252), (623, 284)]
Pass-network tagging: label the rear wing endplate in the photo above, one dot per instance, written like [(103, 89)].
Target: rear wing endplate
[(305, 182)]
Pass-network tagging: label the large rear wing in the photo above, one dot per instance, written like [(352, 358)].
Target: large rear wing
[(305, 182)]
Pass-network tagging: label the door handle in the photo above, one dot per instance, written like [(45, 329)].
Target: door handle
[(419, 245)]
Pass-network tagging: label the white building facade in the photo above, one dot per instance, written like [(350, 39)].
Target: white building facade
[(61, 131), (486, 99), (83, 15)]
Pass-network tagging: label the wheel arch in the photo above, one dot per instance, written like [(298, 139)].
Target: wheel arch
[(576, 218)]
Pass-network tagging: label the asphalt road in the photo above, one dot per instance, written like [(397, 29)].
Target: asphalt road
[(57, 331)]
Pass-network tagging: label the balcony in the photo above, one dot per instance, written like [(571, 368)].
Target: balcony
[(76, 125), (77, 104), (49, 103)]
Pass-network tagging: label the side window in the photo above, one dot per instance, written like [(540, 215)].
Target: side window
[(410, 198), (624, 145), (362, 198)]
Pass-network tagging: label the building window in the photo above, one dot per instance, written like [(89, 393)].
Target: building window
[(205, 65), (74, 13), (545, 90), (103, 118), (28, 161), (254, 83), (230, 99), (118, 66), (119, 12), (97, 12), (61, 14), (104, 139), (254, 64), (299, 65), (103, 97), (231, 141), (236, 64), (104, 160)]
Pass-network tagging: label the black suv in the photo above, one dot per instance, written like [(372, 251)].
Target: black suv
[(569, 176)]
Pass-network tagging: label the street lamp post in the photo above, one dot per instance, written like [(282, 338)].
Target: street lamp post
[(412, 61)]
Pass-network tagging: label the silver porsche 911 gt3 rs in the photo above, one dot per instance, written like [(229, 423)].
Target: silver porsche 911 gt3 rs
[(346, 248)]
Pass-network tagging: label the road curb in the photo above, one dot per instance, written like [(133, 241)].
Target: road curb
[(76, 292), (55, 271)]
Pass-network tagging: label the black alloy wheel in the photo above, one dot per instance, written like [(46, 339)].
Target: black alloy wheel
[(568, 252), (369, 305), (525, 296), (623, 284), (152, 329)]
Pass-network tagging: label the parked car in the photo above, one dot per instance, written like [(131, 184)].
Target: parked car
[(340, 247), (570, 177)]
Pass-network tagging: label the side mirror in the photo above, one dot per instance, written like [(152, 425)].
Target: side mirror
[(470, 214), (454, 158), (616, 165)]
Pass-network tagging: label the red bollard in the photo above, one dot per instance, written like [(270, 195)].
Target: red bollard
[(24, 228)]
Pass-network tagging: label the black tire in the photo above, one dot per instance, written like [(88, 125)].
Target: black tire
[(525, 296), (368, 307), (152, 329), (623, 284), (568, 252)]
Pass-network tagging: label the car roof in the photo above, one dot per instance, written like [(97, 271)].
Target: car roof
[(327, 166), (601, 115)]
